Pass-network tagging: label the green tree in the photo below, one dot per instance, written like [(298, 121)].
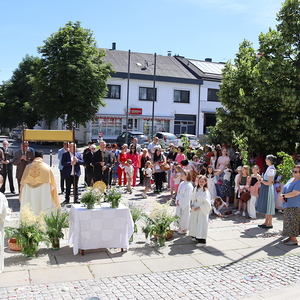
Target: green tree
[(16, 96), (72, 76), (261, 95)]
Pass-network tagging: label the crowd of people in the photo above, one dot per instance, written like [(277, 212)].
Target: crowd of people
[(200, 182)]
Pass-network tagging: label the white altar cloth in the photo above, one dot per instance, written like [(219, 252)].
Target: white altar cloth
[(101, 227)]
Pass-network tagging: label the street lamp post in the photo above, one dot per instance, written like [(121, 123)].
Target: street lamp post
[(154, 96)]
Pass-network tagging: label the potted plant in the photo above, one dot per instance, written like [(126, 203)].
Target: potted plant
[(159, 222), (30, 231), (56, 220), (90, 197), (136, 213), (113, 196)]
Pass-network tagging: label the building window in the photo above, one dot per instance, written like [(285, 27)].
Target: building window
[(182, 96), (106, 125), (159, 125), (212, 95), (209, 120), (114, 91), (147, 94)]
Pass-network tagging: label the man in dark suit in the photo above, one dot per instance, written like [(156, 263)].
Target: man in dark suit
[(71, 162), (89, 159), (102, 164), (7, 167), (21, 159)]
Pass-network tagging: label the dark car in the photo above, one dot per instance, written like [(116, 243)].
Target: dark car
[(142, 138)]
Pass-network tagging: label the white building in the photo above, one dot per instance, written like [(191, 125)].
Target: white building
[(186, 98)]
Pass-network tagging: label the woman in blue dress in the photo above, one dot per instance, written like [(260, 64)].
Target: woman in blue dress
[(265, 200), (291, 204)]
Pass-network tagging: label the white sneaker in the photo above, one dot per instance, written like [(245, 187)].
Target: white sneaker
[(244, 214), (144, 195), (200, 245), (194, 239), (237, 213)]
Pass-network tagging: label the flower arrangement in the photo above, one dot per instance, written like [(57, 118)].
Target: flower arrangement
[(91, 197), (56, 220), (159, 221), (136, 213), (113, 196), (30, 232)]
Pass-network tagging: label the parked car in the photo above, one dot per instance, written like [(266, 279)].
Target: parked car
[(142, 138), (166, 138), (194, 142), (15, 134)]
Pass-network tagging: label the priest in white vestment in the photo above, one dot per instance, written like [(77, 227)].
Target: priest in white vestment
[(4, 216), (38, 187)]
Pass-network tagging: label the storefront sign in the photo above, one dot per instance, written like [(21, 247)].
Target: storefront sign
[(135, 111)]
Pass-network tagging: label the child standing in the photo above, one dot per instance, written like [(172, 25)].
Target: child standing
[(210, 175), (226, 186), (148, 171), (183, 199), (177, 177), (200, 207), (172, 175), (216, 205), (243, 185), (254, 187), (129, 173)]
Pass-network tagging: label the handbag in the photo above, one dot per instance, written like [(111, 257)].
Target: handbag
[(165, 166), (245, 196), (219, 182)]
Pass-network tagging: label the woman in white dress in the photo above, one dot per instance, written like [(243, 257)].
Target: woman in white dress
[(4, 216), (183, 200), (200, 208)]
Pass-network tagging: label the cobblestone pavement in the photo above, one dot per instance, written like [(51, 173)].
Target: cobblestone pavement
[(231, 281)]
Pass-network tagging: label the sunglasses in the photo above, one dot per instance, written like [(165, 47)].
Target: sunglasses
[(296, 172), (108, 147)]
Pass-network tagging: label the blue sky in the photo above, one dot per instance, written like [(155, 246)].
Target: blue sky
[(192, 28)]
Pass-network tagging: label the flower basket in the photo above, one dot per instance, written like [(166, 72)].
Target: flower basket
[(12, 245), (168, 235)]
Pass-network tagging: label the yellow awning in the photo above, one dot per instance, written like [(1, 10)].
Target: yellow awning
[(48, 135)]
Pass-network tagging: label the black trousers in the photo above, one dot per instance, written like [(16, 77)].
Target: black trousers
[(69, 182), (159, 178), (62, 182), (141, 176), (7, 172)]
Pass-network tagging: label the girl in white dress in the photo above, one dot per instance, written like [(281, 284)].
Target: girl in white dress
[(183, 200), (211, 181), (200, 208)]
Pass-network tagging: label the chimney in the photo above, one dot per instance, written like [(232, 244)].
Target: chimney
[(169, 53), (208, 59), (114, 46)]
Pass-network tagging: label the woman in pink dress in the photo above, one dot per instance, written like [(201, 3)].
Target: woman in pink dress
[(122, 159), (180, 155), (134, 156)]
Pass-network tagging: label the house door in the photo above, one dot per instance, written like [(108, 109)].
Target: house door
[(183, 129), (132, 124)]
